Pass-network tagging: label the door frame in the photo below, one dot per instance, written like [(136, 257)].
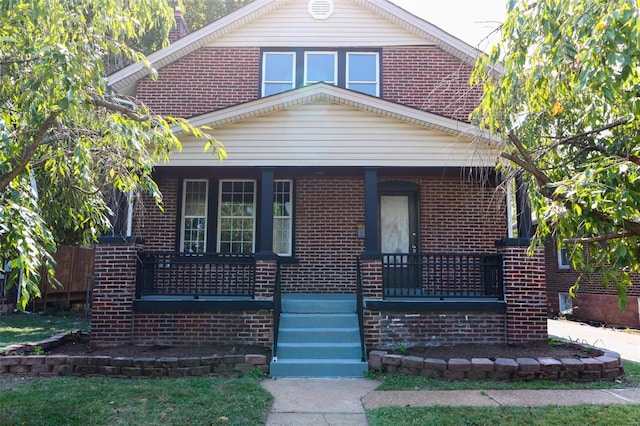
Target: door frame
[(407, 281)]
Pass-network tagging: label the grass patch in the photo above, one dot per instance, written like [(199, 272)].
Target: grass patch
[(577, 415), (104, 401), (392, 382), (29, 328)]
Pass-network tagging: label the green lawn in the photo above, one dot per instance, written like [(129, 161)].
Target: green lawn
[(577, 415), (29, 328), (102, 401)]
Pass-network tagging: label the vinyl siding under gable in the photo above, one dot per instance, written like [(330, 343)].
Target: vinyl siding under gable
[(326, 134), (291, 25)]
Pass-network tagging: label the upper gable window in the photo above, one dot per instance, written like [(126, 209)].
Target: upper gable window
[(286, 69), (320, 66), (363, 72), (278, 72)]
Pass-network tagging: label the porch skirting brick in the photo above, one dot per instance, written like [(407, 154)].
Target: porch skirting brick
[(179, 328), (436, 328)]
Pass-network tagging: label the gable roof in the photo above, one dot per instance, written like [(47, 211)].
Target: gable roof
[(327, 125), (340, 96), (253, 11)]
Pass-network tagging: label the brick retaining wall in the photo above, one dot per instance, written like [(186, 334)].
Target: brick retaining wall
[(600, 365)]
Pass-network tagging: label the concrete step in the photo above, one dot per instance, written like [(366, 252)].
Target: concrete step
[(318, 321), (318, 368), (338, 351), (316, 334), (318, 303)]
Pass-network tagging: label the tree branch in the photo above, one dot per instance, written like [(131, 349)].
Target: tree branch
[(112, 106), (606, 237), (28, 152)]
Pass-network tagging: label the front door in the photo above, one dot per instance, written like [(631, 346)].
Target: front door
[(399, 243)]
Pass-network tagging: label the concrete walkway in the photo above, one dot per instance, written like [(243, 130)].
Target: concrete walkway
[(344, 401), (318, 401), (626, 343)]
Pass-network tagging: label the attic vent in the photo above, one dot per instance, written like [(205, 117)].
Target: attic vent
[(320, 9)]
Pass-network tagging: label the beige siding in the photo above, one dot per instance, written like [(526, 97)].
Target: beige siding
[(326, 134), (292, 26)]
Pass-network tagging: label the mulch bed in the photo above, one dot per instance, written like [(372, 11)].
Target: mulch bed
[(81, 346)]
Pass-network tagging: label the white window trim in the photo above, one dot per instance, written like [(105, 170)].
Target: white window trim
[(264, 70), (184, 217), (290, 253), (346, 76), (565, 304), (219, 219), (335, 66), (561, 264)]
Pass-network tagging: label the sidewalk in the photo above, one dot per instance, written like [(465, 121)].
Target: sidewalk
[(343, 401), (627, 344), (336, 402)]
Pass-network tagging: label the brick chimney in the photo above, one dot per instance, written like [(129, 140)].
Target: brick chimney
[(180, 29)]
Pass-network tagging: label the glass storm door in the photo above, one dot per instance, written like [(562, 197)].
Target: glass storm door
[(399, 244)]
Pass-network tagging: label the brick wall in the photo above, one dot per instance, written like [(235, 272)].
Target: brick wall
[(203, 81), (440, 328), (171, 328), (429, 79), (594, 302), (525, 292), (158, 226), (113, 293), (424, 77)]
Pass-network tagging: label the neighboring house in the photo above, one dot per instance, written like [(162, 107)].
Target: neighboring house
[(356, 203), (593, 302)]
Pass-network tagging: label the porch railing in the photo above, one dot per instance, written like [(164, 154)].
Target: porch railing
[(442, 275), (195, 274)]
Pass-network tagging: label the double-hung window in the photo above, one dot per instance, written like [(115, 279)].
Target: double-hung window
[(194, 216), (320, 67), (234, 228), (236, 216), (357, 70), (278, 72), (362, 72), (563, 258)]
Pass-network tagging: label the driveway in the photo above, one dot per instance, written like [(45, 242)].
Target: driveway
[(626, 343)]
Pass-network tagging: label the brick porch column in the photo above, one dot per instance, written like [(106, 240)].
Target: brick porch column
[(524, 290), (114, 290), (371, 275), (266, 270)]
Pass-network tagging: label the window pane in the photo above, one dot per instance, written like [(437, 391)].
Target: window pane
[(278, 73), (362, 73), (282, 218), (362, 67), (320, 67), (194, 216), (278, 67), (273, 88), (236, 217), (368, 88)]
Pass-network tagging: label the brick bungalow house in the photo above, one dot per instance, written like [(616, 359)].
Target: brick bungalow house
[(593, 302), (357, 208)]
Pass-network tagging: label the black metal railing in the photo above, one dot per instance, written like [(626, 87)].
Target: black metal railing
[(195, 274), (442, 275)]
